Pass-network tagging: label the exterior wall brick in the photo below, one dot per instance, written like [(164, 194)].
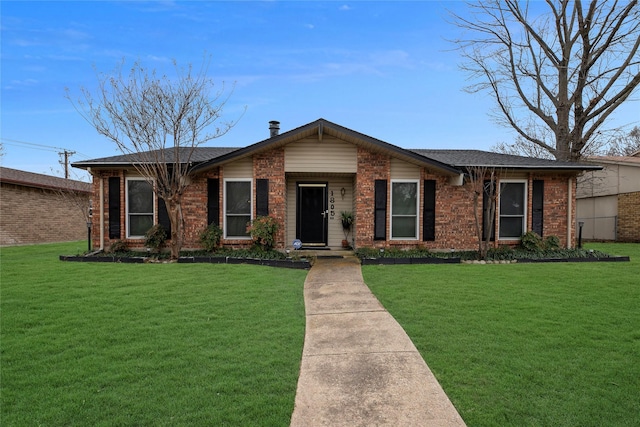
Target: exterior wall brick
[(270, 165), (455, 221), (34, 215), (555, 206), (370, 166), (629, 217)]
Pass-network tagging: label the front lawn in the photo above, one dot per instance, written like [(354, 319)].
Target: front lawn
[(146, 344), (526, 345)]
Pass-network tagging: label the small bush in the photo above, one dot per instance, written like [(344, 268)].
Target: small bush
[(263, 231), (155, 237), (210, 237), (531, 242), (551, 243), (118, 247), (501, 253)]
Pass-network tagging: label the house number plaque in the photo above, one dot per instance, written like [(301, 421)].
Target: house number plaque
[(332, 205)]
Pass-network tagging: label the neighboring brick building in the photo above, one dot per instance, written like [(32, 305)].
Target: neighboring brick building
[(33, 210), (307, 176), (609, 200)]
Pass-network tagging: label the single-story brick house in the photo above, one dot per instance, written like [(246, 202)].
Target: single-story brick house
[(307, 176)]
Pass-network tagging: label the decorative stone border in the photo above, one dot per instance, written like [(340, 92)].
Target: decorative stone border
[(590, 259), (282, 263), (396, 261)]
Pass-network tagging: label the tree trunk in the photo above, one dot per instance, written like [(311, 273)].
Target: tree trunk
[(174, 208), (476, 208)]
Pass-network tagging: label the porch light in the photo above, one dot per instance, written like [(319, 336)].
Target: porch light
[(343, 191)]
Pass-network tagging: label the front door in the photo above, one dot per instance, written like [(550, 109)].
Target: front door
[(312, 214)]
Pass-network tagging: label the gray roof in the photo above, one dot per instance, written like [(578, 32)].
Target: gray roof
[(449, 161), (199, 155), (37, 180), (470, 158)]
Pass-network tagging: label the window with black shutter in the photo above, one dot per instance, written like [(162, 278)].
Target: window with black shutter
[(537, 217), (380, 218), (487, 201), (163, 217), (262, 197), (213, 201), (114, 207), (429, 214)]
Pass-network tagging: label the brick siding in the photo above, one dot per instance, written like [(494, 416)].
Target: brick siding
[(370, 166), (34, 215), (629, 217), (270, 165)]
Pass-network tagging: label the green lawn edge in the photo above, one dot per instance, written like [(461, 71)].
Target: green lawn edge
[(526, 344)]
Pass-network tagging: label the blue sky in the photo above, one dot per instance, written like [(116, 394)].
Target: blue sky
[(381, 68)]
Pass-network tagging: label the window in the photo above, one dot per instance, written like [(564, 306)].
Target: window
[(140, 204), (237, 208), (404, 209), (513, 200)]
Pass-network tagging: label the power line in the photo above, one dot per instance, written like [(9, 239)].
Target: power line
[(33, 144), (42, 147)]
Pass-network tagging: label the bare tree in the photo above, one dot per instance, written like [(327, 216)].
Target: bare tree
[(484, 186), (556, 70), (625, 144), (161, 121)]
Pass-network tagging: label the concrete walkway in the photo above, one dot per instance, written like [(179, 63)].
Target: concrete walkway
[(359, 367)]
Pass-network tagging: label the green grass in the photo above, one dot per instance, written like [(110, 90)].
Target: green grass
[(526, 344), (146, 344)]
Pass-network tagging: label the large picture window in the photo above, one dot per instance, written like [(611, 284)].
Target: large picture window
[(513, 209), (140, 205), (404, 209), (237, 208)]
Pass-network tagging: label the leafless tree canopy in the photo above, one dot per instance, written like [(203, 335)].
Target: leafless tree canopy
[(557, 70), (625, 144), (160, 120)]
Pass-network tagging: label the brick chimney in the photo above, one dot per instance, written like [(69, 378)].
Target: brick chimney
[(274, 128)]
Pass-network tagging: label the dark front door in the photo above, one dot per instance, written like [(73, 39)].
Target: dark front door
[(312, 214)]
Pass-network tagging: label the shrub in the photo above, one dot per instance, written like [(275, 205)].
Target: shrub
[(155, 237), (118, 247), (502, 252), (551, 243), (531, 241), (210, 237), (263, 231)]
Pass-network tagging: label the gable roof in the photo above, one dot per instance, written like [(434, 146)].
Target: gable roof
[(449, 162), (323, 127), (36, 180)]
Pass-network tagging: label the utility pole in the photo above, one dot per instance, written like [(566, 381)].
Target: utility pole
[(66, 153)]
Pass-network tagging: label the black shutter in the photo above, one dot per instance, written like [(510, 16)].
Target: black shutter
[(380, 218), (429, 214), (485, 212), (262, 197), (114, 207), (163, 217), (213, 201), (537, 206)]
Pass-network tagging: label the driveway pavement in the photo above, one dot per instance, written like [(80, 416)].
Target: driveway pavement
[(359, 367)]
